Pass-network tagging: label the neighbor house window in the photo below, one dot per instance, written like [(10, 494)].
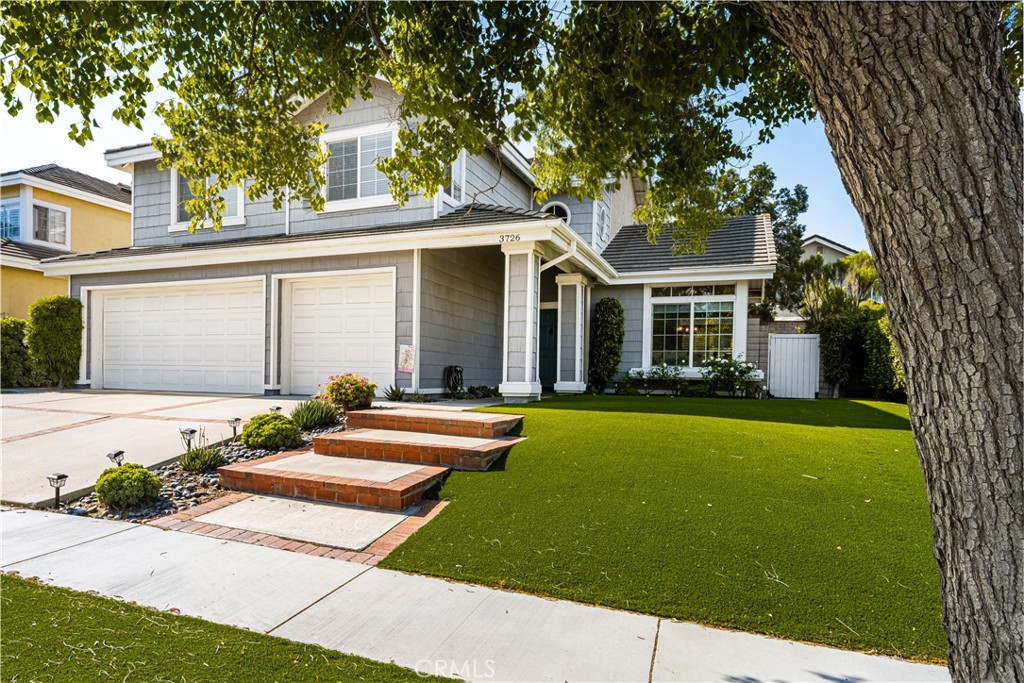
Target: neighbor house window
[(352, 167), (688, 326), (232, 200), (50, 224), (453, 192), (10, 219)]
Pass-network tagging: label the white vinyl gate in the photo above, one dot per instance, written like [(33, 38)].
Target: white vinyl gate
[(793, 365)]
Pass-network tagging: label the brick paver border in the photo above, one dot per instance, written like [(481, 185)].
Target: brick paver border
[(371, 555)]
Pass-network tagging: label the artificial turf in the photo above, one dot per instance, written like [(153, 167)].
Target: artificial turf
[(53, 634), (800, 519)]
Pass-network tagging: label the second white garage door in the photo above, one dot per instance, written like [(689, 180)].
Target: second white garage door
[(192, 338), (338, 325)]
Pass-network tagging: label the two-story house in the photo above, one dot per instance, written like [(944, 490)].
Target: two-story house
[(49, 211), (478, 276)]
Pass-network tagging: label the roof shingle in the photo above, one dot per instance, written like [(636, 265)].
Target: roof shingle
[(36, 252), (119, 192), (742, 241)]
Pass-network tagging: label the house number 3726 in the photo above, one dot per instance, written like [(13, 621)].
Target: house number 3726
[(508, 238)]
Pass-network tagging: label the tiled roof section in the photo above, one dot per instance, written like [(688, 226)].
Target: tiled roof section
[(743, 241), (35, 252), (463, 217), (119, 192)]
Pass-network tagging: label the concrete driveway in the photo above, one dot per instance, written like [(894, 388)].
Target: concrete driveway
[(72, 431)]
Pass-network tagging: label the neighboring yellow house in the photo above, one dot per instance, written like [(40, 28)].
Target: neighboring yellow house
[(49, 211)]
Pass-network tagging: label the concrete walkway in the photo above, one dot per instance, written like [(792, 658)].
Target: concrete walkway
[(431, 625), (72, 431)]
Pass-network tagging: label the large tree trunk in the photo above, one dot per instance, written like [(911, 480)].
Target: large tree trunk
[(927, 131)]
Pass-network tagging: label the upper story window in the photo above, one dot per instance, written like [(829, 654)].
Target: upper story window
[(234, 203), (50, 224), (603, 223), (557, 209), (10, 218), (353, 180), (453, 191)]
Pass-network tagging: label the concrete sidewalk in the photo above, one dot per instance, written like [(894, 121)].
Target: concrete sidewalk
[(431, 625)]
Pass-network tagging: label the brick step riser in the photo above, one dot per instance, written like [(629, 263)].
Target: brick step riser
[(428, 426), (413, 454), (325, 492)]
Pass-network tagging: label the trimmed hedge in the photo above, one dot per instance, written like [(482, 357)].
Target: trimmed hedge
[(54, 339), (15, 364), (607, 332)]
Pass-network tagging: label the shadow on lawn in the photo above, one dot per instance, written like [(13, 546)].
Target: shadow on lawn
[(822, 413)]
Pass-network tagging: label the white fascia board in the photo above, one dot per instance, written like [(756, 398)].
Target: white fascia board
[(475, 236), (123, 157), (586, 256), (32, 181), (710, 274), (20, 262)]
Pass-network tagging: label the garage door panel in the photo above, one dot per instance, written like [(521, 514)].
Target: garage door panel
[(185, 338), (341, 324)]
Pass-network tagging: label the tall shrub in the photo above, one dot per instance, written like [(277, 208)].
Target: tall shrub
[(883, 369), (607, 330), (15, 365), (55, 339), (837, 354)]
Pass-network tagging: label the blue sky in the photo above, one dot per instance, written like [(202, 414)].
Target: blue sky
[(799, 154)]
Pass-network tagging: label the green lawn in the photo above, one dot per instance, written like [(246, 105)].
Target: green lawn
[(53, 634), (801, 519)]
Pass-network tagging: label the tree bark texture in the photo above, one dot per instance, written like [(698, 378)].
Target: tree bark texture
[(926, 129)]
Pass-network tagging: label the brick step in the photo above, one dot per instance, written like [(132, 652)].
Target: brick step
[(306, 475), (458, 452), (452, 422)]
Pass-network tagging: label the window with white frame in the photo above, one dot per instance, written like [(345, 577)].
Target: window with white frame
[(453, 191), (50, 224), (10, 218), (352, 167), (559, 210), (183, 193), (691, 324)]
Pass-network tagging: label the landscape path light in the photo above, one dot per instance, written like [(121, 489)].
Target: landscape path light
[(56, 481), (275, 409), (234, 423), (188, 435), (116, 457)]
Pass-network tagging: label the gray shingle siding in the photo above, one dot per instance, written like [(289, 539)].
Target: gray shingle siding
[(401, 260), (490, 181), (461, 318), (632, 299)]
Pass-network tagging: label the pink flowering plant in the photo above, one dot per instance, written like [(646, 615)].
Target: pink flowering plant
[(348, 392)]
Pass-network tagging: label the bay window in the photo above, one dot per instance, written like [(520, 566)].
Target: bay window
[(691, 324), (50, 224), (10, 218), (352, 176)]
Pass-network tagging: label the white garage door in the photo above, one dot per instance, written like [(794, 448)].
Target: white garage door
[(338, 325), (207, 338)]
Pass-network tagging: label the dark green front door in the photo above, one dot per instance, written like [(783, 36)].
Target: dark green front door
[(548, 347)]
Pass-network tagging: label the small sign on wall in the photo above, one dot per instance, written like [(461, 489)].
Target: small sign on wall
[(406, 358)]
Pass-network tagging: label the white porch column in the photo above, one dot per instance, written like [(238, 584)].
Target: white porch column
[(739, 321), (520, 378), (572, 290)]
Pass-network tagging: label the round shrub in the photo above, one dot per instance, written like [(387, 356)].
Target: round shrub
[(607, 331), (348, 392), (201, 459), (314, 414), (54, 339), (127, 486), (271, 431)]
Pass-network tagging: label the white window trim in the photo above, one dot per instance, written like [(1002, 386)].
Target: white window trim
[(356, 133), (547, 209), (28, 227), (648, 324), (228, 222), (447, 199)]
